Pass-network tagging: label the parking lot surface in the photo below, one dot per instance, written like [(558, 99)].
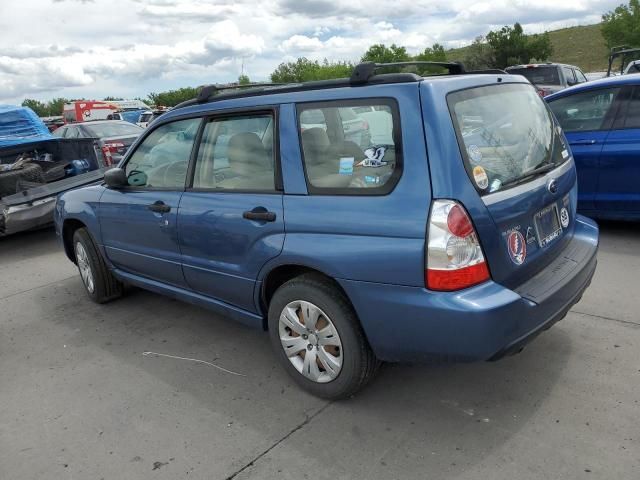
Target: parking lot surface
[(79, 398)]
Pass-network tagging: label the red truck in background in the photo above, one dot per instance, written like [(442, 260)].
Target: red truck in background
[(85, 110)]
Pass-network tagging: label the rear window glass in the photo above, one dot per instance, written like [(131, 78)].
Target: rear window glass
[(350, 147), (538, 75), (115, 129), (501, 146)]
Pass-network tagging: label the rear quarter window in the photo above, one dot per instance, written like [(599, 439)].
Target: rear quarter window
[(351, 147)]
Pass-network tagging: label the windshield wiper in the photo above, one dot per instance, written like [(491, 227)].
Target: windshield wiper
[(531, 173)]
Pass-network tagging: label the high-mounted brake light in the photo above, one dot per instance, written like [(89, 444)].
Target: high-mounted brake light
[(454, 257)]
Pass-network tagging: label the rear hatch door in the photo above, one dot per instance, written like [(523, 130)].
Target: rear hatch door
[(519, 163)]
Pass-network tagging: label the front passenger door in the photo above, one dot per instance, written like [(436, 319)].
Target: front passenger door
[(586, 118), (619, 187), (139, 221)]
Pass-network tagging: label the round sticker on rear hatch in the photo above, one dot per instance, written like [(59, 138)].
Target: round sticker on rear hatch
[(517, 247), (564, 217), (480, 177)]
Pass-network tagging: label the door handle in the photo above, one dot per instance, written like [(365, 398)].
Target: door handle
[(260, 215), (159, 207), (583, 142)]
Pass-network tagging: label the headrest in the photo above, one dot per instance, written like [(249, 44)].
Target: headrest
[(246, 153), (315, 139)]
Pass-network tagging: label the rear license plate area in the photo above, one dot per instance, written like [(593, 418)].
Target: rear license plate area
[(547, 223)]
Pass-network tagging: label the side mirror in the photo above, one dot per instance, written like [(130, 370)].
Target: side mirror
[(115, 178)]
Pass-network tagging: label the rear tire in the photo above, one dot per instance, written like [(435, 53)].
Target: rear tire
[(99, 282), (343, 363)]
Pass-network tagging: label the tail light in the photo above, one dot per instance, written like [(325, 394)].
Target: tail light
[(454, 258), (108, 149), (365, 125)]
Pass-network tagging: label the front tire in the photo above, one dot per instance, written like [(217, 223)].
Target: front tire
[(99, 283), (318, 339)]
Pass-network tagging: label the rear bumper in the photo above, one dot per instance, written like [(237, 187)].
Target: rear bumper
[(484, 322)]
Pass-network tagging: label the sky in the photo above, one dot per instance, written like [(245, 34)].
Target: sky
[(129, 48)]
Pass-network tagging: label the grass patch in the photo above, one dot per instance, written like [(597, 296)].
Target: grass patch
[(582, 46)]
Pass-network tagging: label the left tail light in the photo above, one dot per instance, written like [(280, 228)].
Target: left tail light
[(108, 150), (454, 258)]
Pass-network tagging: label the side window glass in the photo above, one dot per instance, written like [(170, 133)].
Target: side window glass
[(568, 73), (633, 112), (236, 153), (580, 76), (349, 147), (72, 132), (161, 160), (312, 118), (584, 111)]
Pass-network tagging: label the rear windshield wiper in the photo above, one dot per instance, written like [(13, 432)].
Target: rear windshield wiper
[(531, 173)]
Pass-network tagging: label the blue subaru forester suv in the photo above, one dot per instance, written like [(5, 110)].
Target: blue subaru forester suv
[(445, 230)]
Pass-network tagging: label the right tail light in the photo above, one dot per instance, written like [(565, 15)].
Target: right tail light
[(454, 258)]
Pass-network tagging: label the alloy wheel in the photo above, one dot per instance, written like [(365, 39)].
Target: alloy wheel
[(311, 341)]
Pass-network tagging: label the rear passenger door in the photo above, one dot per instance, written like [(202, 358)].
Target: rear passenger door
[(231, 218), (619, 186)]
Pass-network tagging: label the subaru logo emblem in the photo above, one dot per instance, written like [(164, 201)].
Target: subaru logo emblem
[(552, 186)]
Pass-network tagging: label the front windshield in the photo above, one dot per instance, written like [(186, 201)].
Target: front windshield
[(505, 133)]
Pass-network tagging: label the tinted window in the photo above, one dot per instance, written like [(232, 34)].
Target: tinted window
[(500, 145), (237, 154), (113, 129), (538, 75), (350, 152), (583, 111), (633, 112), (161, 159)]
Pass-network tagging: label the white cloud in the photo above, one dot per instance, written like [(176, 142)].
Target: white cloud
[(126, 47)]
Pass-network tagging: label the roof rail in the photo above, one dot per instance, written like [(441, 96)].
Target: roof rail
[(207, 91), (365, 70), (487, 71)]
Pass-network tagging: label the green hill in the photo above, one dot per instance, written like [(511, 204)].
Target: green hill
[(583, 46)]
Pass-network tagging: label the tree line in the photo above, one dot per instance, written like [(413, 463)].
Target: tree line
[(500, 48)]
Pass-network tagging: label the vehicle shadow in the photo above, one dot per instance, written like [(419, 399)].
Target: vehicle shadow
[(620, 229), (460, 412)]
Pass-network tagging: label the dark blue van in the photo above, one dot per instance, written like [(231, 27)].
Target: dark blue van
[(385, 217)]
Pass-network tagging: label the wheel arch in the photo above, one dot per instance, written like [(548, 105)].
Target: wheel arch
[(69, 227), (280, 274)]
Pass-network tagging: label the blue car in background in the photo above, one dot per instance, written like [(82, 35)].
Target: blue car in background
[(450, 235), (601, 120)]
